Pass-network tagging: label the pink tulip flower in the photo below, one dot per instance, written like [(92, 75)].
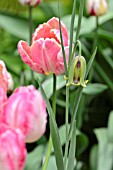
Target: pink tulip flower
[(97, 7), (26, 110), (3, 102), (5, 78), (12, 149), (45, 54), (30, 2)]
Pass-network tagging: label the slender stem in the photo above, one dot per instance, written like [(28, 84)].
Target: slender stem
[(62, 43), (80, 18), (67, 107), (30, 24), (75, 108), (78, 30), (30, 35), (95, 43), (71, 30), (54, 110)]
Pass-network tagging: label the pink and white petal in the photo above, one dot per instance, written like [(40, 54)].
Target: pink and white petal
[(51, 49), (44, 53), (60, 62), (56, 35), (43, 31), (25, 53), (54, 23)]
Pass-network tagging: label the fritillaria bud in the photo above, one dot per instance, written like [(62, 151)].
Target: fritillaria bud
[(77, 72), (97, 7)]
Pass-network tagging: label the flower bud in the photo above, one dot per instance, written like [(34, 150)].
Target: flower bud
[(77, 72), (97, 7), (30, 2), (26, 110)]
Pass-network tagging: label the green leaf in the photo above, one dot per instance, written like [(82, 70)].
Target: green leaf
[(54, 132), (15, 25), (110, 127), (94, 88), (105, 150), (48, 85), (93, 158), (71, 158), (34, 158)]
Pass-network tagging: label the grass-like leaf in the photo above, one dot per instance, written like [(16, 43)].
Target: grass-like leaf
[(72, 149), (54, 132), (90, 62)]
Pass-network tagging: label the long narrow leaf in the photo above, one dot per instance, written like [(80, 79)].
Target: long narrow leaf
[(54, 132), (71, 158), (90, 62)]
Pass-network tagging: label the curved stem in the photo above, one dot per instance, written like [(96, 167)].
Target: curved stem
[(54, 110)]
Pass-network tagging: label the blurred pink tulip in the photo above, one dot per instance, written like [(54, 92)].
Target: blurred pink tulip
[(30, 2), (97, 7), (12, 149), (45, 54), (26, 110), (3, 102), (5, 78)]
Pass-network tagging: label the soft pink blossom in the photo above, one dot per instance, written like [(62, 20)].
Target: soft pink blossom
[(26, 110), (12, 149), (45, 54), (97, 7), (5, 78), (30, 2), (3, 102)]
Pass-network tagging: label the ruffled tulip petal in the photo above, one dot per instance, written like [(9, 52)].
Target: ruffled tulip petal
[(43, 31), (44, 53), (25, 53), (54, 23)]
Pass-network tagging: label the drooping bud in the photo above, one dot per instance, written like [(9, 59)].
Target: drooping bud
[(97, 7), (77, 72)]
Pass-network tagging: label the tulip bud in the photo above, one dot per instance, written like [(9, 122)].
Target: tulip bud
[(30, 2), (77, 72), (26, 110), (97, 7)]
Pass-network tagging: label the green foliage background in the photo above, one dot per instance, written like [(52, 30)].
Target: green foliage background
[(95, 115)]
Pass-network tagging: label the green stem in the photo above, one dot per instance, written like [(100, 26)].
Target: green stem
[(30, 24), (62, 43), (67, 107), (95, 43), (78, 30), (30, 35), (75, 108), (54, 110), (71, 30)]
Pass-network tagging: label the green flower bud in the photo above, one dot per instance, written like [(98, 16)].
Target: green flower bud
[(77, 72)]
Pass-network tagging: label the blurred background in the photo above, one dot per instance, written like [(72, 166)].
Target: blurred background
[(95, 116)]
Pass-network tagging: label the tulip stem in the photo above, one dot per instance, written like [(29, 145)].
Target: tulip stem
[(54, 111), (30, 36), (95, 43), (30, 24)]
